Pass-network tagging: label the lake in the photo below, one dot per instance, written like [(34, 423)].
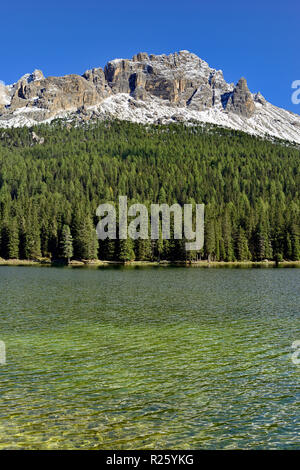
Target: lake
[(149, 358)]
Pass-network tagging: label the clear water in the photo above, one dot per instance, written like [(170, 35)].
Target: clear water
[(149, 358)]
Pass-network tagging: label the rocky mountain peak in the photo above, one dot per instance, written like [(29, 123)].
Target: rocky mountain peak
[(147, 88), (34, 76), (258, 98), (181, 78), (241, 101)]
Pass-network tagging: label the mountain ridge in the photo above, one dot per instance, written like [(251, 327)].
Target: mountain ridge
[(179, 87)]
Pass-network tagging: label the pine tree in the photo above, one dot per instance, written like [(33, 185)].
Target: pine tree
[(227, 237), (107, 249), (85, 239), (210, 239), (126, 252), (295, 241), (262, 244), (243, 253), (4, 253), (143, 249), (67, 243), (288, 247), (13, 240), (32, 245)]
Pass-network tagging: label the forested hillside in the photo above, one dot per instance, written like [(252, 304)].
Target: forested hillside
[(53, 177)]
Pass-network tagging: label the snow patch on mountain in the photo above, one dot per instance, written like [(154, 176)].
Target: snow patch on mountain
[(4, 95), (267, 120), (159, 89)]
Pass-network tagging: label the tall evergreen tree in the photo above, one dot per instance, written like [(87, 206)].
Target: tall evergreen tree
[(242, 248), (67, 243), (13, 240), (126, 251), (32, 243), (86, 240)]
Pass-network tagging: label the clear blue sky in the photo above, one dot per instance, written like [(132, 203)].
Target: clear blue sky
[(256, 39)]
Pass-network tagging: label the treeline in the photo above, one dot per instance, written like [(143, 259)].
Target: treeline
[(49, 193)]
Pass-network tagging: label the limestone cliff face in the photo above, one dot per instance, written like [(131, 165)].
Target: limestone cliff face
[(178, 87), (97, 78), (241, 101), (181, 79), (53, 94)]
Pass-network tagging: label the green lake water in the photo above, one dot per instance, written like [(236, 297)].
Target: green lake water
[(149, 358)]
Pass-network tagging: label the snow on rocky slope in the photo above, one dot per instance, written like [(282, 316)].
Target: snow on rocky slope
[(179, 87)]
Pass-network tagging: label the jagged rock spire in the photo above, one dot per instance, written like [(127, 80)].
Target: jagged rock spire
[(241, 101)]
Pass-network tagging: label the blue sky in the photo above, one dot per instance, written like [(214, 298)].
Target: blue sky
[(255, 39)]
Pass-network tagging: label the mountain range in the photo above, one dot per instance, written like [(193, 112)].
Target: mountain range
[(160, 89)]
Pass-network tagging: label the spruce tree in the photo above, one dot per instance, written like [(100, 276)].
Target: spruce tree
[(295, 241), (107, 249), (13, 240), (32, 245), (243, 253), (4, 253), (67, 243), (143, 249), (85, 239), (126, 251)]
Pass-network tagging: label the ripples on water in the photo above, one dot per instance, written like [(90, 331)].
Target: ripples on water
[(149, 358)]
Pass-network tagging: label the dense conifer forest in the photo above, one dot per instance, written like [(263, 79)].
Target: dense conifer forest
[(53, 177)]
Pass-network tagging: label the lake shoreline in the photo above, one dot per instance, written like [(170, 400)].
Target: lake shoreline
[(102, 263)]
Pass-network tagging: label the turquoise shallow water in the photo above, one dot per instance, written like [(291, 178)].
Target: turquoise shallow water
[(138, 358)]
